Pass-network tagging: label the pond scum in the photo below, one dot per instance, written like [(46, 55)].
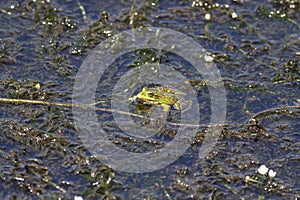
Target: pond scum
[(255, 44)]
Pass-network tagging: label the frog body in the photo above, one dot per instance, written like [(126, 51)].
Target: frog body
[(162, 96)]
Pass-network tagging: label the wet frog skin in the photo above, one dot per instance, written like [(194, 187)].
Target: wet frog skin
[(162, 96)]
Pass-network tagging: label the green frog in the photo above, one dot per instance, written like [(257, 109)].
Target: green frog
[(162, 96)]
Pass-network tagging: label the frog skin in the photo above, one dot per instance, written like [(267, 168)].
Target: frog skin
[(162, 96)]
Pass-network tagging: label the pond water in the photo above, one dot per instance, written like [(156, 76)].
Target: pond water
[(44, 46)]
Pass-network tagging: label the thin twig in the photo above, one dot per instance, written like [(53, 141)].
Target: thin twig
[(89, 107), (84, 107)]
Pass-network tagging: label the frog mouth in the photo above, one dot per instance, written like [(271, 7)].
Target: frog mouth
[(148, 101)]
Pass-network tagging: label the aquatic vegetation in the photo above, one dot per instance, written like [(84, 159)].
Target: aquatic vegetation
[(264, 179), (255, 44), (262, 170)]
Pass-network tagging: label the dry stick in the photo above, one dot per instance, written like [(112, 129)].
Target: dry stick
[(84, 107), (88, 107)]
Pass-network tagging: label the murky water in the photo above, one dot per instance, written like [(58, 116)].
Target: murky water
[(255, 45)]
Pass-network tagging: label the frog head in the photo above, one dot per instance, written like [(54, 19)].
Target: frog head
[(147, 95)]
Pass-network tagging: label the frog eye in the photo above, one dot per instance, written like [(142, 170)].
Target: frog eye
[(150, 94)]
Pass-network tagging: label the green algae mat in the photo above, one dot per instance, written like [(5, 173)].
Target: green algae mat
[(63, 136)]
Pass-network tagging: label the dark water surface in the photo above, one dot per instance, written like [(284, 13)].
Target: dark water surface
[(256, 47)]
